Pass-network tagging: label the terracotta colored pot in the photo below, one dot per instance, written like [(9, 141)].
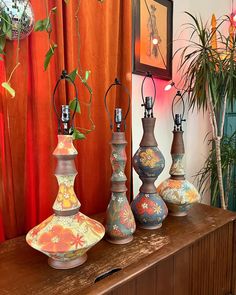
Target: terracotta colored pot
[(68, 234)]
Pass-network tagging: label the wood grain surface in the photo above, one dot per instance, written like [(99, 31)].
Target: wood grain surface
[(186, 254)]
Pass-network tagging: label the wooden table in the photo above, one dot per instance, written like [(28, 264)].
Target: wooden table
[(193, 255)]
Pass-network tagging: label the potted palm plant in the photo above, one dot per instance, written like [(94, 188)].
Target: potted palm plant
[(209, 76), (209, 171)]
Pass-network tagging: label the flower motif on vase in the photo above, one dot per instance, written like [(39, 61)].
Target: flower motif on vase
[(65, 146), (177, 167), (66, 197), (116, 232), (149, 158), (41, 226), (126, 217), (58, 239), (148, 162), (95, 227), (145, 205), (89, 223), (78, 241), (119, 217), (118, 161), (149, 209), (65, 233), (178, 192)]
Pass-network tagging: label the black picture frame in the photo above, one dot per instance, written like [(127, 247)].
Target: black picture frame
[(142, 68)]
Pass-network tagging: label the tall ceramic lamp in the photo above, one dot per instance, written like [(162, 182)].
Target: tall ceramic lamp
[(120, 224), (68, 234), (178, 193), (148, 207)]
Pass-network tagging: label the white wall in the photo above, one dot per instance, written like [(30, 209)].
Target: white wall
[(197, 125)]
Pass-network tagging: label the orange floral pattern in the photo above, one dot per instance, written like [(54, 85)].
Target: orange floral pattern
[(149, 158), (95, 226), (192, 195), (126, 217), (67, 197), (58, 239), (41, 226), (65, 146), (78, 241), (178, 192)]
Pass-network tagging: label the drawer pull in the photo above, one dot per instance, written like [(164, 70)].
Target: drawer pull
[(107, 274)]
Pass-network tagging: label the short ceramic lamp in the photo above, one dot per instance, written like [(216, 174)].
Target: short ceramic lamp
[(178, 193), (119, 223), (68, 234), (148, 207)]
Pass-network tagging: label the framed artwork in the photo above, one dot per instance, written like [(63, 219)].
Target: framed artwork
[(152, 37)]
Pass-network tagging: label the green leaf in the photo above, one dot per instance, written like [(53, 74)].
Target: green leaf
[(49, 55), (43, 25), (9, 89), (78, 135), (87, 74), (73, 107), (39, 26), (2, 44), (73, 74)]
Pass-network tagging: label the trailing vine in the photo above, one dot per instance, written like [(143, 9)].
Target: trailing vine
[(6, 32), (45, 25)]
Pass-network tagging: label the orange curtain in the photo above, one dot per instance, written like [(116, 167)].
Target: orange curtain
[(28, 125)]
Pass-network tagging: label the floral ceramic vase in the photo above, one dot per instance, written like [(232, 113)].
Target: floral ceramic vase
[(120, 224), (68, 234), (178, 193), (148, 207)]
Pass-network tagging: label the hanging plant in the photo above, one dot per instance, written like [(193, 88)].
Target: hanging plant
[(45, 25), (16, 23), (19, 24)]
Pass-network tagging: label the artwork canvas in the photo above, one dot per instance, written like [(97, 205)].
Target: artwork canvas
[(152, 37)]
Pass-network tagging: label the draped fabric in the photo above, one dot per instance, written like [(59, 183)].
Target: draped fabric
[(28, 130)]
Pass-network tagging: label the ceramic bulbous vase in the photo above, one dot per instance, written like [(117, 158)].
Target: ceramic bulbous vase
[(68, 234), (178, 193), (148, 207), (120, 224)]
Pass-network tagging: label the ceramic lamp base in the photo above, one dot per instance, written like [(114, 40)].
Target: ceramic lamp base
[(151, 227), (67, 264), (120, 242)]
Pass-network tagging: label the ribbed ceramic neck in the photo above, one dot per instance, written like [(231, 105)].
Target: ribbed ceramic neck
[(148, 139), (118, 161)]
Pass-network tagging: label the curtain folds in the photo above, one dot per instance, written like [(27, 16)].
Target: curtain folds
[(28, 130)]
